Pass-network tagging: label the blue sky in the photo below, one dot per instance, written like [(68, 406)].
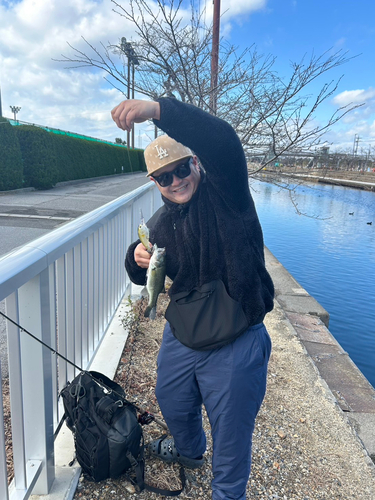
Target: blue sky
[(33, 32)]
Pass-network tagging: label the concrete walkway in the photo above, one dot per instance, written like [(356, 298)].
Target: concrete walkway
[(339, 181), (352, 391)]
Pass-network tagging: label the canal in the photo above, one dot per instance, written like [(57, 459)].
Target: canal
[(330, 251)]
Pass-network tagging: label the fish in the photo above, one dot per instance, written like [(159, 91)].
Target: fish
[(144, 235), (155, 279)]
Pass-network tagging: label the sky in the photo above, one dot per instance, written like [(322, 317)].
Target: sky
[(35, 32)]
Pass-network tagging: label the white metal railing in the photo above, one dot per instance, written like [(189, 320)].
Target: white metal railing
[(64, 288)]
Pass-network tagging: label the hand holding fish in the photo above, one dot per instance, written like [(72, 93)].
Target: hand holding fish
[(142, 256), (152, 258)]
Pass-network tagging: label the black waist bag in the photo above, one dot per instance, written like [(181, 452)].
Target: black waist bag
[(107, 435), (206, 317)]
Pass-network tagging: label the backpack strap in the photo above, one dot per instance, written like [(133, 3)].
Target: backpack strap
[(107, 407), (169, 493), (139, 469)]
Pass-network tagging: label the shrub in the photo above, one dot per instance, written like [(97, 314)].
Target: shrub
[(39, 158), (10, 158)]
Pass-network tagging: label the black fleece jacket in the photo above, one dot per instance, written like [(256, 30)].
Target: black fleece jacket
[(217, 234)]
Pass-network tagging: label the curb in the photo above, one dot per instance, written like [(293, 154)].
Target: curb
[(353, 393)]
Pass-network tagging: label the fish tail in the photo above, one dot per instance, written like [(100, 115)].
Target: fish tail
[(150, 312)]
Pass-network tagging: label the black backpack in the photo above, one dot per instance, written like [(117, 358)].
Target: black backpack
[(107, 435)]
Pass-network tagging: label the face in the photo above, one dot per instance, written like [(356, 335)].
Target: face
[(181, 190)]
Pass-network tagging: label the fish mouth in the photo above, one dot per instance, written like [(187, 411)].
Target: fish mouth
[(160, 252)]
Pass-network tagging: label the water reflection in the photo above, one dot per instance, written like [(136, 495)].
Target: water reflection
[(332, 256)]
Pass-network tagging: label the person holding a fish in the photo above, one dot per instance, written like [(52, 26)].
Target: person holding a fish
[(207, 239)]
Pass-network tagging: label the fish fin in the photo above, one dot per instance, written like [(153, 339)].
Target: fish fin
[(150, 312)]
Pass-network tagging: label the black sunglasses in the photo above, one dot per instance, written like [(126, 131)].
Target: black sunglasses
[(181, 171)]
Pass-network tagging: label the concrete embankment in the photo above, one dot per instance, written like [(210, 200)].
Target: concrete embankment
[(358, 180), (352, 391)]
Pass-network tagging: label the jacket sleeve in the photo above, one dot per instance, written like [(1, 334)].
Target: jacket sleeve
[(216, 144)]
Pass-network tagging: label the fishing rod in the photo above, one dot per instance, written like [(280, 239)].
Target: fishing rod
[(145, 416)]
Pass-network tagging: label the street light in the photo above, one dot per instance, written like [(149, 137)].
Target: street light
[(15, 110), (133, 61)]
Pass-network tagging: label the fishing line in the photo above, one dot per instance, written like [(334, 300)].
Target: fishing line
[(129, 158), (145, 416), (54, 351)]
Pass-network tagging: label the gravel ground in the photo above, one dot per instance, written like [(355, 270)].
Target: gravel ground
[(304, 447)]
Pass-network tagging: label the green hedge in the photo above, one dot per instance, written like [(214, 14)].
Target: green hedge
[(10, 158), (80, 159), (49, 158), (39, 159)]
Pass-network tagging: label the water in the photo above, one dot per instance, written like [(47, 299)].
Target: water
[(330, 253)]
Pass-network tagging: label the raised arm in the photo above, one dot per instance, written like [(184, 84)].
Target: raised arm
[(135, 111), (216, 144), (213, 140)]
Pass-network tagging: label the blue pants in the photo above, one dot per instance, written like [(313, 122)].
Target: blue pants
[(231, 383)]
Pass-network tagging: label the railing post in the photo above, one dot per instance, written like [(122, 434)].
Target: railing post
[(35, 315)]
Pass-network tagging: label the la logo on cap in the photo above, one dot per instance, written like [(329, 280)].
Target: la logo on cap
[(162, 153)]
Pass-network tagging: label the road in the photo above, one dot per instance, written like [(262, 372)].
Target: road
[(26, 215)]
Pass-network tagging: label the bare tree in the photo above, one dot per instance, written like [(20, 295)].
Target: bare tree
[(270, 114)]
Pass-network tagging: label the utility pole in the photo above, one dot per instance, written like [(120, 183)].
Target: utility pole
[(1, 111), (128, 132), (215, 56), (355, 145), (133, 61)]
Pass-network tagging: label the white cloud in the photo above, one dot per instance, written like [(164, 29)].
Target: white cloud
[(354, 96), (233, 10), (360, 121), (32, 34), (339, 44)]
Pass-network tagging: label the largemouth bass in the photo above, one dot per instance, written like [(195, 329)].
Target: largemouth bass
[(155, 279), (144, 235)]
